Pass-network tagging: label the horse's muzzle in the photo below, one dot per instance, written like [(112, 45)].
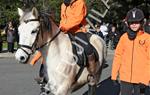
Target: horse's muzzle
[(21, 56)]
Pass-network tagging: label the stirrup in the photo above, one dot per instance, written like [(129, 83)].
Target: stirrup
[(91, 79), (43, 93)]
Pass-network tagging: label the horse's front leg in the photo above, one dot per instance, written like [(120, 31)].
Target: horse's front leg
[(45, 90), (64, 89)]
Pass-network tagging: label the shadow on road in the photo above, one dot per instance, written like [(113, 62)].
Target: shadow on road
[(107, 87)]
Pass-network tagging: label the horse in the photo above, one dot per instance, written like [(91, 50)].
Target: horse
[(38, 30)]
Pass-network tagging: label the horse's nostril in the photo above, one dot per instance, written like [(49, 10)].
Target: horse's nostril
[(22, 58)]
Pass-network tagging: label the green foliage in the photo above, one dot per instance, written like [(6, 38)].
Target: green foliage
[(119, 8), (117, 11), (8, 10)]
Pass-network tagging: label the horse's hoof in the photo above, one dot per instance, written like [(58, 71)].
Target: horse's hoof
[(43, 93)]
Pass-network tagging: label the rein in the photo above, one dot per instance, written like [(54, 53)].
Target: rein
[(48, 42)]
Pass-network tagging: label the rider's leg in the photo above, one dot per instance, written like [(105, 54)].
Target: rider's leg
[(88, 48), (41, 71), (40, 78)]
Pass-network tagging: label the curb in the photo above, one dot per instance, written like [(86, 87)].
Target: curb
[(7, 55)]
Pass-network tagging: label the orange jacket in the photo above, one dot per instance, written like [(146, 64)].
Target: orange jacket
[(132, 59), (36, 57), (73, 16)]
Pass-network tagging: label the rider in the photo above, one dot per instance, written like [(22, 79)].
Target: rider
[(41, 79), (73, 14), (132, 49)]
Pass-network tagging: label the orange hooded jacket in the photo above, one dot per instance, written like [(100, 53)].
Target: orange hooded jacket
[(73, 16), (132, 59), (36, 57)]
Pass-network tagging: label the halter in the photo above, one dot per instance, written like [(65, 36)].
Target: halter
[(33, 45)]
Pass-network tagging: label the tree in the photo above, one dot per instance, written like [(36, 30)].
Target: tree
[(8, 10), (117, 11)]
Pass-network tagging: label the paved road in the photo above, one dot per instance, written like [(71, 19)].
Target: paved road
[(18, 79)]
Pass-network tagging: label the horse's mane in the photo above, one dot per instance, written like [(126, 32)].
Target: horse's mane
[(45, 20), (46, 24)]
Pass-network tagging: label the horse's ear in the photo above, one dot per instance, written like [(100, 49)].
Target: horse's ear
[(20, 12), (35, 12)]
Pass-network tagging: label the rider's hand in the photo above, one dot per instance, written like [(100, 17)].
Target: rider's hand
[(62, 28)]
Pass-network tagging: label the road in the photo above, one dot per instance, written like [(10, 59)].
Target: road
[(18, 79)]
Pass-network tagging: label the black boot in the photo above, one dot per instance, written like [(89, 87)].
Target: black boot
[(92, 90), (92, 68)]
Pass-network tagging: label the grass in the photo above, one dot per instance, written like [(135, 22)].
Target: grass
[(5, 44)]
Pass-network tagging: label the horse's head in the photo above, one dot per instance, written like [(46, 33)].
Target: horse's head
[(28, 31)]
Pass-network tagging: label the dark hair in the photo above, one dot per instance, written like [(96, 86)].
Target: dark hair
[(67, 2)]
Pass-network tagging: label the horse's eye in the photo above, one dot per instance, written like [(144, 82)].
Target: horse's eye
[(34, 31)]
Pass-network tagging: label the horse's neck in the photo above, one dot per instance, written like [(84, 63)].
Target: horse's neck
[(59, 47), (59, 60), (61, 44)]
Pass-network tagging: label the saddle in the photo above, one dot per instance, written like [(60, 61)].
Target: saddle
[(82, 57)]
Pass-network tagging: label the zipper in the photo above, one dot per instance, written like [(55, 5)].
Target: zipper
[(132, 61)]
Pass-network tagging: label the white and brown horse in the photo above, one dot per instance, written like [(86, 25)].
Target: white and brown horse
[(37, 31)]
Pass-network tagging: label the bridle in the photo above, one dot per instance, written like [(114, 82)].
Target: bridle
[(33, 48)]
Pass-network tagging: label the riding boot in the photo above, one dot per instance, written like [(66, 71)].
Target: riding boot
[(92, 69)]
